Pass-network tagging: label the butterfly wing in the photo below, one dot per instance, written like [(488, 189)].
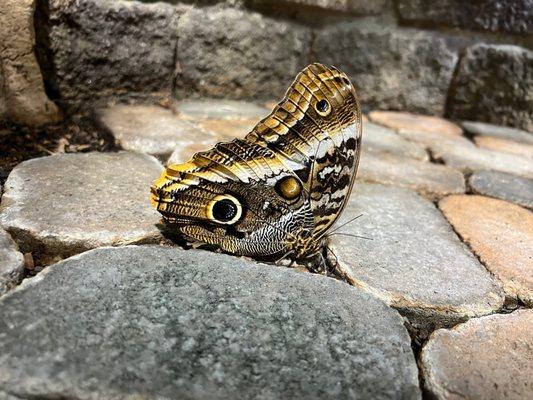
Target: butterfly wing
[(280, 188)]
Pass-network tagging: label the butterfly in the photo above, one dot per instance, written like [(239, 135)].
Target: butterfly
[(277, 192)]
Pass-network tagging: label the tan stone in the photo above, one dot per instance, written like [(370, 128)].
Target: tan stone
[(151, 129), (402, 122), (226, 129), (507, 146), (501, 235), (433, 181), (487, 358), (434, 140), (25, 99)]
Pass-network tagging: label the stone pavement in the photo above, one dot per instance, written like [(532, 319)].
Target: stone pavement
[(153, 322), (448, 236)]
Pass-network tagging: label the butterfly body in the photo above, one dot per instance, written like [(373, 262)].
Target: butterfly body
[(277, 191)]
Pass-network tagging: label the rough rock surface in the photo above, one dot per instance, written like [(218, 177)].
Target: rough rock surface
[(62, 205), (485, 358), (358, 7), (155, 322), (494, 83), (393, 69), (470, 159), (151, 129), (104, 47), (219, 130), (502, 132), (508, 16), (433, 181), (507, 146), (407, 122), (500, 234), (3, 106), (25, 100), (220, 109), (215, 62), (11, 263), (503, 186), (379, 139), (415, 261), (436, 142)]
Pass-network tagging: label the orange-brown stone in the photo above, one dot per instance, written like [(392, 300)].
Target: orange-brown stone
[(501, 235), (507, 146), (405, 122)]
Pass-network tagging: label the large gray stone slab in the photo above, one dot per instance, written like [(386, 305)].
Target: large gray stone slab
[(503, 186), (433, 181), (151, 129), (61, 205), (257, 58), (414, 262), (498, 16), (379, 139), (11, 263), (155, 322), (485, 358), (103, 47), (494, 84), (497, 131), (396, 69)]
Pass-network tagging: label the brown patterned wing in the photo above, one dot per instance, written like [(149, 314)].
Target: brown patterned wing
[(280, 189), (318, 125)]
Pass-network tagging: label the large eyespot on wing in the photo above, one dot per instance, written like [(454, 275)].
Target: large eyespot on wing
[(224, 209), (289, 188), (322, 107)]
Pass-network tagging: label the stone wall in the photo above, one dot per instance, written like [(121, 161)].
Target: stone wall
[(22, 97), (464, 60)]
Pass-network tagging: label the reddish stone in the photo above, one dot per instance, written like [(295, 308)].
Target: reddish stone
[(404, 122), (501, 235)]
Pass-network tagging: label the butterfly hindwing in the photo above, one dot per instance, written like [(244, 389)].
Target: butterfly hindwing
[(280, 189)]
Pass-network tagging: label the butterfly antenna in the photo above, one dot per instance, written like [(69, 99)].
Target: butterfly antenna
[(349, 234), (346, 223)]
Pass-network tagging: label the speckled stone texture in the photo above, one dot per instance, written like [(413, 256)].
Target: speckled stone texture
[(380, 139), (151, 129), (257, 58), (11, 263), (503, 186), (485, 358), (501, 234), (61, 205), (493, 83), (407, 122), (155, 322), (105, 47), (414, 261), (392, 68), (497, 131), (433, 181), (504, 145)]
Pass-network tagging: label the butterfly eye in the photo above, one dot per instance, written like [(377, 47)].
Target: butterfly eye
[(322, 107), (289, 188), (224, 209)]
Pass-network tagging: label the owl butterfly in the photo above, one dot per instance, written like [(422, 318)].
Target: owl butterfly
[(277, 192)]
